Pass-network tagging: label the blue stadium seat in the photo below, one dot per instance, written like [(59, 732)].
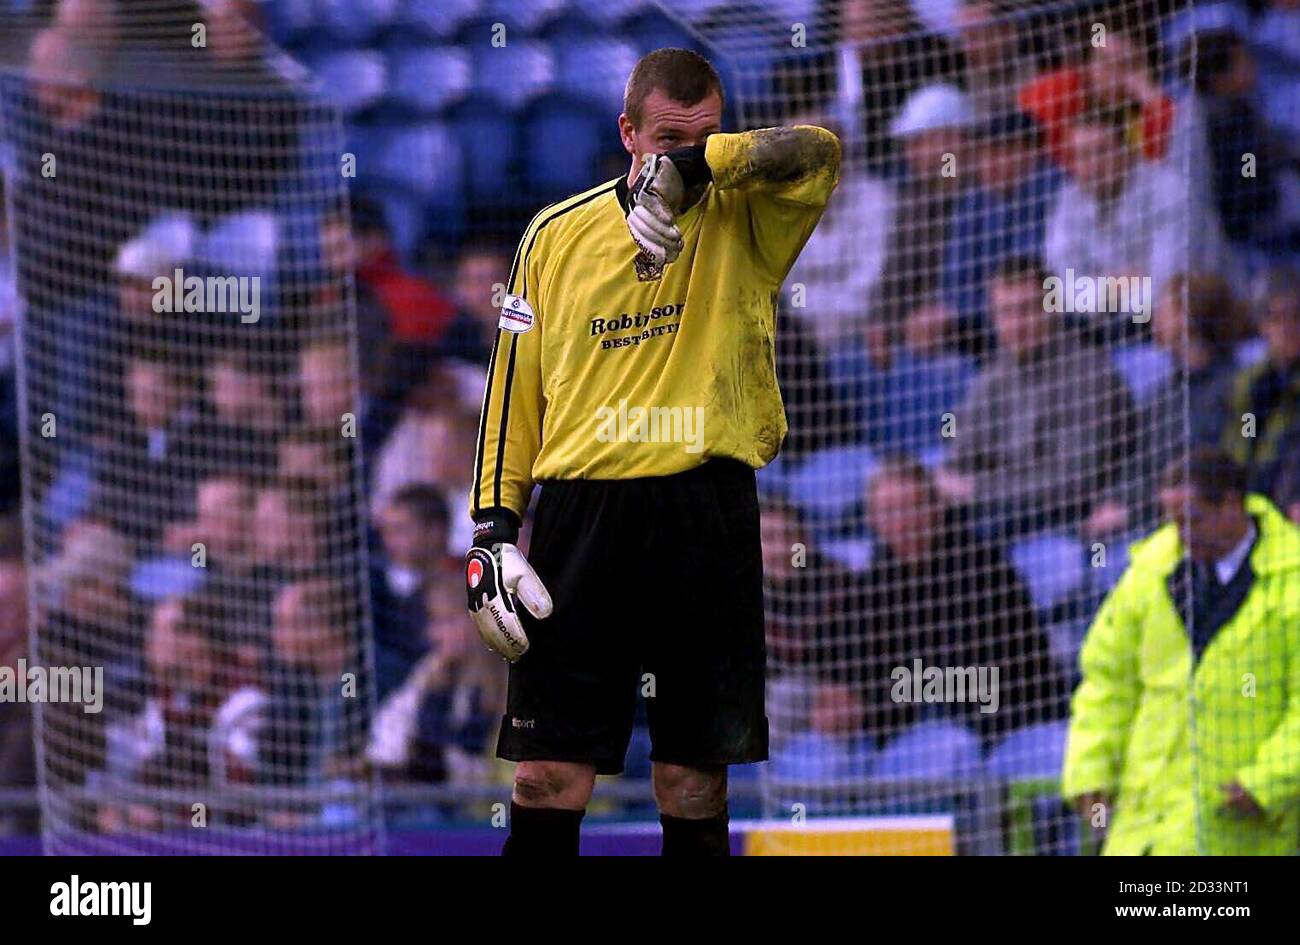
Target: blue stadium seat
[(513, 74), (566, 139), (428, 80), (287, 21), (1144, 367), (832, 482), (597, 70), (352, 80), (649, 28), (488, 137), (355, 22), (932, 751), (425, 159), (1052, 565), (528, 16), (438, 19), (609, 12), (1035, 751)]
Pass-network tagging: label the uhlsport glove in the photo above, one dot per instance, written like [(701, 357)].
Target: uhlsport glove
[(654, 201), (498, 578)]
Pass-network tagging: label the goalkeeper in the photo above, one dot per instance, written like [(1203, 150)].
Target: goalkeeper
[(633, 377)]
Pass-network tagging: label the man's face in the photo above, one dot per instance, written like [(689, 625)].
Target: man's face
[(902, 517), (927, 153), (409, 543), (323, 374), (152, 394), (1280, 326), (667, 125), (1003, 164), (224, 508), (1207, 531), (1098, 158), (1018, 317)]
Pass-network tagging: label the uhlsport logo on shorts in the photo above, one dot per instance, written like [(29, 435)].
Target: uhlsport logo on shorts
[(516, 315)]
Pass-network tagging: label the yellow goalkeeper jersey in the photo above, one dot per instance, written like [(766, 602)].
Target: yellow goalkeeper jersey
[(605, 369)]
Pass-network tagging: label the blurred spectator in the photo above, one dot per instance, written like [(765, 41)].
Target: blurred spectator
[(1117, 75), (482, 271), (1262, 408), (418, 312), (1196, 320), (1047, 427), (434, 443), (413, 527), (222, 523), (1003, 215), (1227, 127), (988, 34), (320, 454), (436, 726), (91, 621), (311, 723), (465, 693), (325, 381), (243, 412), (800, 588), (902, 389), (937, 594), (143, 472), (1121, 216), (931, 130), (289, 517)]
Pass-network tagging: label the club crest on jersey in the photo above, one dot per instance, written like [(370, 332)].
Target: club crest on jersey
[(516, 315)]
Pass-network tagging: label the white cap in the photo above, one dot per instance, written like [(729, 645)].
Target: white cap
[(161, 246), (930, 109)]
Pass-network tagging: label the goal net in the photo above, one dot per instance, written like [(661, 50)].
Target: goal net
[(1021, 311), (199, 662)]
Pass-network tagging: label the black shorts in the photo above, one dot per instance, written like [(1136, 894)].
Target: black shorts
[(658, 590)]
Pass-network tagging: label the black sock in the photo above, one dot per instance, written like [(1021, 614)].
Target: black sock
[(708, 837), (542, 831)]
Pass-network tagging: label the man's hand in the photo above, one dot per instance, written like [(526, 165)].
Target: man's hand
[(493, 581), (654, 200)]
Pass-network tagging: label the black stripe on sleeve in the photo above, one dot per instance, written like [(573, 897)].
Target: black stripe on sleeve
[(518, 270)]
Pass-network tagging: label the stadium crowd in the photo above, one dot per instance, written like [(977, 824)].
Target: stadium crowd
[(919, 298)]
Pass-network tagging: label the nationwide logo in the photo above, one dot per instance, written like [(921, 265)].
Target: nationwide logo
[(516, 315)]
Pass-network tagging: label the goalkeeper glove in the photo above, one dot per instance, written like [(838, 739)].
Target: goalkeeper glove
[(497, 579), (654, 200)]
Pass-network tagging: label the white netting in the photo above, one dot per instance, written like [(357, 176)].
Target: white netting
[(955, 491), (194, 531)]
